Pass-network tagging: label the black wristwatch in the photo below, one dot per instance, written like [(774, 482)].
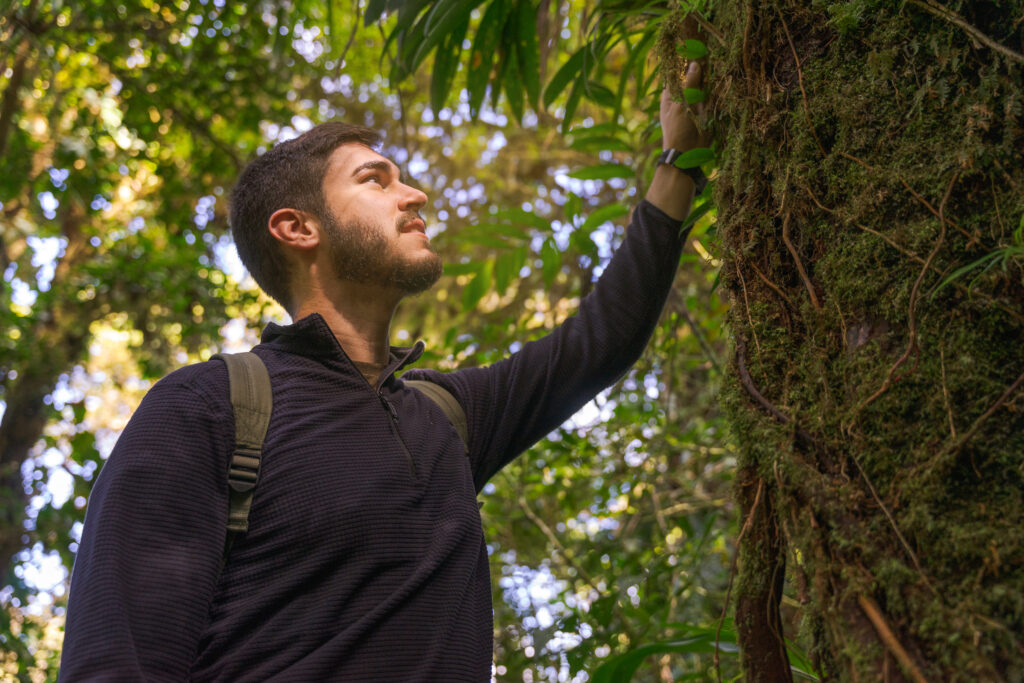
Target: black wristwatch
[(700, 180)]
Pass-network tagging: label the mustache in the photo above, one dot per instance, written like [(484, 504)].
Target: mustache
[(408, 217)]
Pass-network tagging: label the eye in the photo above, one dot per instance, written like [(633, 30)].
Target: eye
[(374, 178)]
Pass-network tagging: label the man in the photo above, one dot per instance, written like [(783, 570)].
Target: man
[(364, 559)]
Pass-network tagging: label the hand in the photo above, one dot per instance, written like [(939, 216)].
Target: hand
[(680, 128), (671, 190)]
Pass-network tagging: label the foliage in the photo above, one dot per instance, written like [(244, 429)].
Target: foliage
[(122, 128)]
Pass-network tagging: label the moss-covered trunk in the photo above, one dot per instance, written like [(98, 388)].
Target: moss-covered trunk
[(871, 208)]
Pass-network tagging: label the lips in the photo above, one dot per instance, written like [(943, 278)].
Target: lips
[(412, 224)]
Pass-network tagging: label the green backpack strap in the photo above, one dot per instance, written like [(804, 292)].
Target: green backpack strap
[(447, 403), (252, 402)]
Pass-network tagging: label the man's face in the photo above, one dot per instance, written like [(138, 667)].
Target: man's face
[(374, 231)]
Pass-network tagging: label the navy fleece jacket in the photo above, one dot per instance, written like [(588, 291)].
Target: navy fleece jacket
[(365, 559)]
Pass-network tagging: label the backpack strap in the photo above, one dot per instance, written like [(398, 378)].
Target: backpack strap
[(252, 402), (447, 403)]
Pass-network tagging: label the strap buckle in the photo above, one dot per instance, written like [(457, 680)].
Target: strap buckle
[(245, 468)]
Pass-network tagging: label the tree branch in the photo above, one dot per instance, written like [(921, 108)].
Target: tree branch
[(799, 263), (912, 310), (553, 539), (571, 559), (889, 638), (10, 100), (987, 414), (697, 332), (955, 19)]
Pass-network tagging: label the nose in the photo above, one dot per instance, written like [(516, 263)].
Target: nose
[(412, 199)]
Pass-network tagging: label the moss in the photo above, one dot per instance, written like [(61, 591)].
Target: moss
[(903, 116)]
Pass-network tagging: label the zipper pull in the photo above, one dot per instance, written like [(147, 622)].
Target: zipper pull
[(391, 408)]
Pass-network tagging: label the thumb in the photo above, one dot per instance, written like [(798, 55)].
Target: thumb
[(694, 79), (693, 75)]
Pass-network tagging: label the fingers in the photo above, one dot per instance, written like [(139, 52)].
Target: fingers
[(679, 122), (693, 75), (694, 79)]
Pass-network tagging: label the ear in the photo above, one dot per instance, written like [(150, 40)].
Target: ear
[(295, 229)]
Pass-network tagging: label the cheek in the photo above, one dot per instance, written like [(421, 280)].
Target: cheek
[(341, 207)]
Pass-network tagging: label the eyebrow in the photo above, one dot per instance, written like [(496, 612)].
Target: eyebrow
[(378, 165)]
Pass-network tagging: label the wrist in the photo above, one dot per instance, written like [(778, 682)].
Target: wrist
[(671, 191), (670, 157)]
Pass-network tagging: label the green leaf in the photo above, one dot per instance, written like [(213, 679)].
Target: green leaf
[(446, 63), (799, 662), (407, 14), (604, 214), (374, 10), (512, 232), (698, 156), (551, 259), (456, 268), (620, 669), (514, 87), (697, 214), (476, 288), (481, 55), (504, 270), (570, 106), (583, 243), (694, 95), (513, 81), (600, 143), (634, 69), (601, 94), (606, 128), (717, 281), (692, 49), (985, 263), (483, 237), (499, 77), (563, 76), (517, 215), (528, 51), (439, 24), (603, 172), (573, 206), (602, 608)]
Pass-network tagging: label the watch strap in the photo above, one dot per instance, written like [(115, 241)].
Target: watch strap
[(700, 181)]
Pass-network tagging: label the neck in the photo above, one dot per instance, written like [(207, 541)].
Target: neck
[(358, 315)]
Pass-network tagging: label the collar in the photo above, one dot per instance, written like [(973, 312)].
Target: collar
[(311, 337)]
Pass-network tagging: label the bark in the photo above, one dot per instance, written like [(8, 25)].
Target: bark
[(27, 26), (9, 103), (872, 168), (758, 624)]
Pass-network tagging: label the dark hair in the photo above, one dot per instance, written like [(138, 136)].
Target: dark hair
[(290, 175)]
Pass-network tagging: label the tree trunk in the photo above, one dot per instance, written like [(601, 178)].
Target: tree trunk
[(871, 186), (58, 341)]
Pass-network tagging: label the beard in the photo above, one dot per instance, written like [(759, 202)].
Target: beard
[(362, 253)]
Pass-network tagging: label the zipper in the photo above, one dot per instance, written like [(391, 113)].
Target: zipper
[(394, 430)]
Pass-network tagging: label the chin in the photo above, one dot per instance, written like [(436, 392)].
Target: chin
[(416, 278)]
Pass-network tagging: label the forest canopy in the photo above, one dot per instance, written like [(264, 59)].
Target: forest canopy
[(814, 470)]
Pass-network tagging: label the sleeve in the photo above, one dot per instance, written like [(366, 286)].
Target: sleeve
[(150, 555), (514, 403)]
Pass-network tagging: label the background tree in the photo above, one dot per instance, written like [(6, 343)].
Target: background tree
[(871, 213)]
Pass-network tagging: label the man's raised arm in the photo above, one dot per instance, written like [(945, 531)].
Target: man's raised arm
[(517, 401)]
